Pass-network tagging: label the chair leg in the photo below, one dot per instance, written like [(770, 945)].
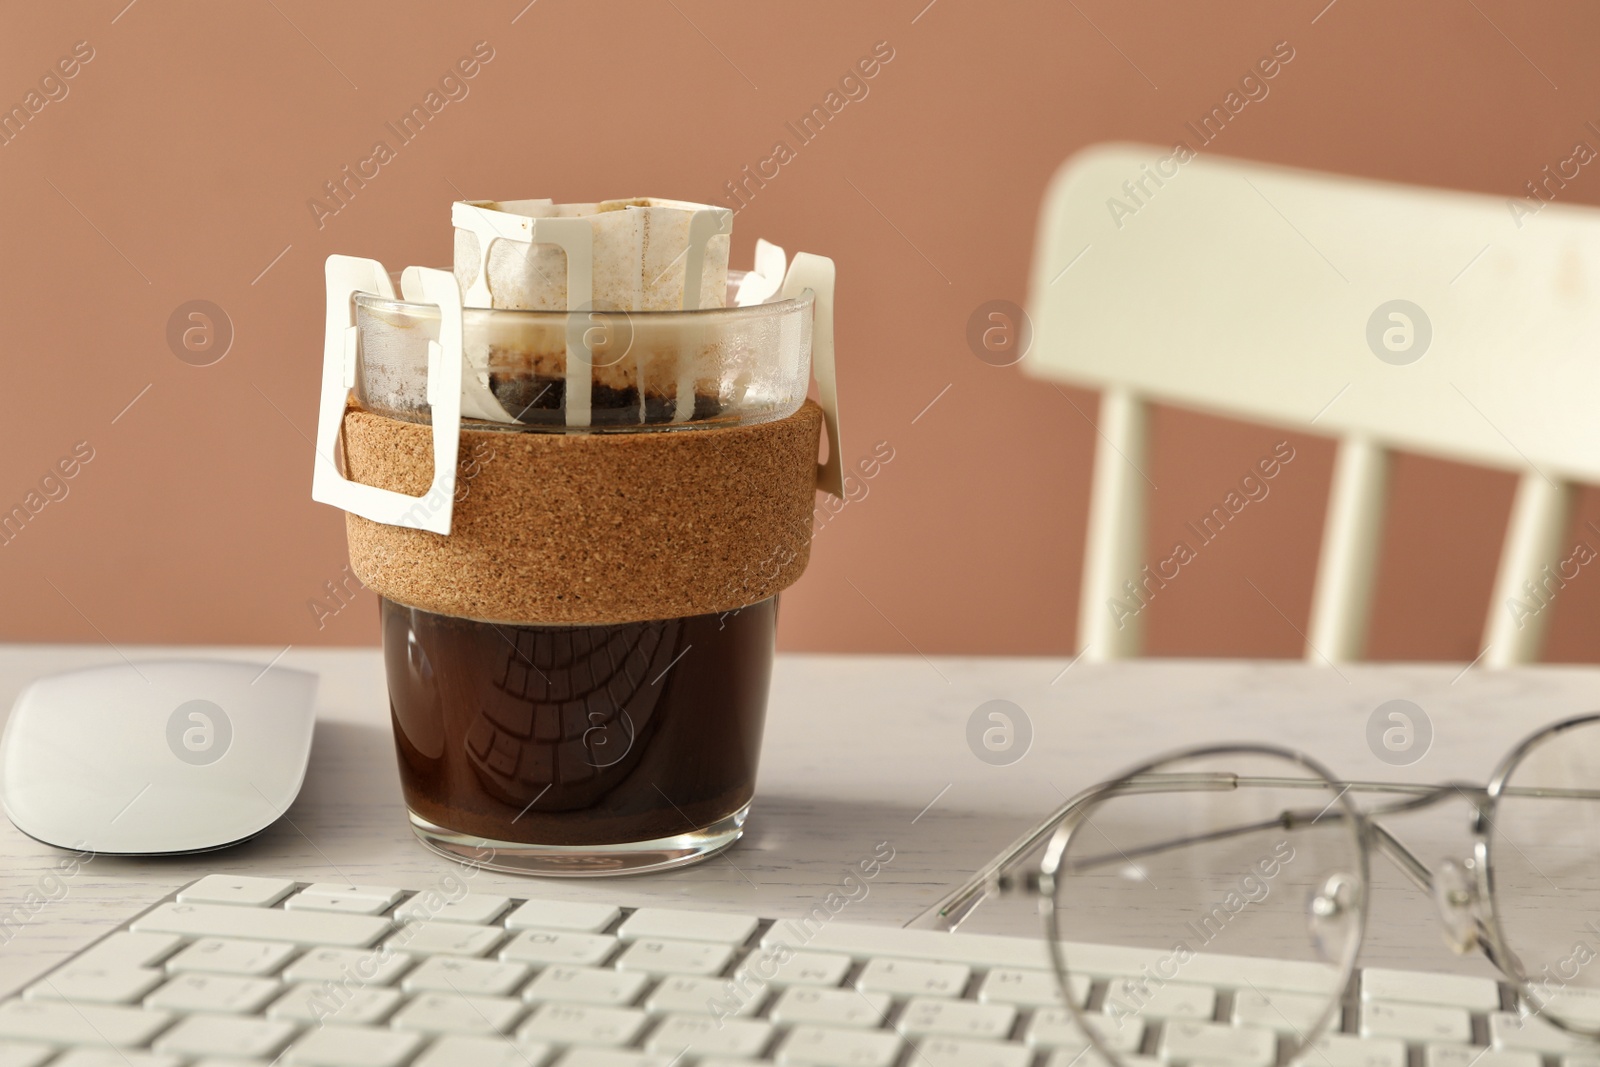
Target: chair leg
[(1346, 573), (1528, 577), (1115, 543)]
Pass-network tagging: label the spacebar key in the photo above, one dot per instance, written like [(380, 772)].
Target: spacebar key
[(264, 924)]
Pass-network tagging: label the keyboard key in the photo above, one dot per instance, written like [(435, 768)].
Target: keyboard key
[(1165, 1000), (1576, 1005), (953, 1052), (451, 1013), (1415, 1022), (674, 957), (239, 889), (1056, 1028), (454, 1050), (1466, 1056), (1349, 1050), (551, 946), (266, 924), (226, 1035), (831, 1007), (96, 985), (458, 974), (24, 1053), (563, 915), (1027, 988), (221, 955), (955, 1018), (912, 978), (104, 1057), (222, 993), (582, 1024), (784, 968), (79, 1024), (585, 985), (350, 899), (712, 997), (673, 924), (335, 1004), (1241, 1046), (445, 939), (125, 949), (475, 908), (345, 905), (1419, 987), (613, 1057), (335, 889), (821, 1045), (1286, 1013), (1510, 1031), (359, 966), (352, 1046), (701, 1035)]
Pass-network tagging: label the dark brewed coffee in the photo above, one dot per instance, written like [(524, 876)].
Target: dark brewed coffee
[(578, 735), (541, 400)]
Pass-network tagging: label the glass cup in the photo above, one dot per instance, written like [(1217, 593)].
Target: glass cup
[(585, 749)]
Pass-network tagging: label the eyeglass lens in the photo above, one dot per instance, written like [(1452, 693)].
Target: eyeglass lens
[(1159, 892), (1544, 864)]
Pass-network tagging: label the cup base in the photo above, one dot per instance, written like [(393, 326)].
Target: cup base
[(582, 861)]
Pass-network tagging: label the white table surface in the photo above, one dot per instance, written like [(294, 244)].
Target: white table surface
[(859, 750)]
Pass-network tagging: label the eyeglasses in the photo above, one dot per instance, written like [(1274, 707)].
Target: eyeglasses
[(1226, 864)]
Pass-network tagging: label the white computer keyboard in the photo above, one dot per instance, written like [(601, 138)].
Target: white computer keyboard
[(236, 970)]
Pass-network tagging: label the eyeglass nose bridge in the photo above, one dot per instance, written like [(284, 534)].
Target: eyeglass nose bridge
[(1456, 898), (1331, 909)]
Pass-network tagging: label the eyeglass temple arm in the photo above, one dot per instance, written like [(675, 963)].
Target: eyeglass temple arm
[(952, 908), (1403, 857)]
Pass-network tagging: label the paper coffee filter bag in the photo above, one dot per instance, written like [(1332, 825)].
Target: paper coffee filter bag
[(640, 258), (640, 253)]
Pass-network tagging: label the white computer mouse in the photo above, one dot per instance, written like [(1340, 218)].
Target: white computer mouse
[(156, 757)]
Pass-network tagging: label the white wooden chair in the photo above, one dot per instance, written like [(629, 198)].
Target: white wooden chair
[(1247, 290)]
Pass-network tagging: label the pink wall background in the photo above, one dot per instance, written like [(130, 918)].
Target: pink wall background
[(177, 163)]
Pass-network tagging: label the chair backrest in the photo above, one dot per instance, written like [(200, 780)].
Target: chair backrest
[(1392, 317)]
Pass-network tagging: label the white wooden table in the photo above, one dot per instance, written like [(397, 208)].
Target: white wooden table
[(859, 750)]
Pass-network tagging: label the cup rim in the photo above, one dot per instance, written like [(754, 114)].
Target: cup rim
[(781, 306)]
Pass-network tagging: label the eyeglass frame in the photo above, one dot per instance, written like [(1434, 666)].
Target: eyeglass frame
[(999, 876)]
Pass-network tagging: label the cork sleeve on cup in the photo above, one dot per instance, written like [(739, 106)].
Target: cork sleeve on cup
[(590, 528)]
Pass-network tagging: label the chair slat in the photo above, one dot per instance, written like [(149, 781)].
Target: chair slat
[(1115, 544), (1523, 587), (1341, 605)]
